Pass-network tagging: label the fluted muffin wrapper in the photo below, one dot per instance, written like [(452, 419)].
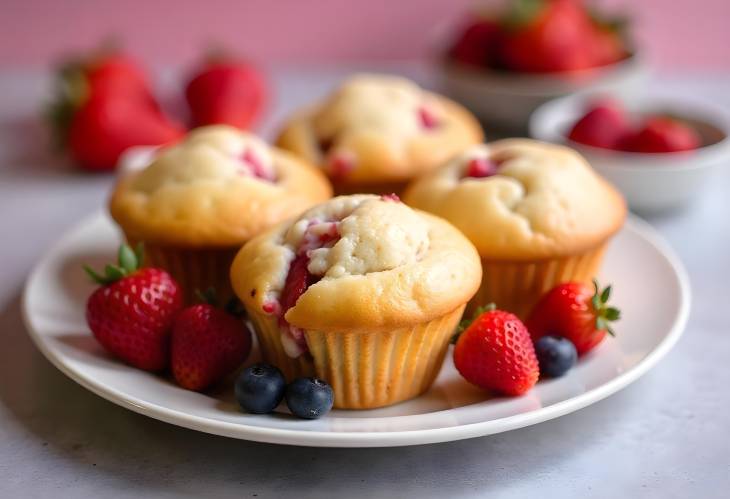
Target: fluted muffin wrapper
[(365, 369), (194, 268), (517, 286)]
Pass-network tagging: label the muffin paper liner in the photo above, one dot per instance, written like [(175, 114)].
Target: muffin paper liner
[(365, 369), (194, 268), (517, 286)]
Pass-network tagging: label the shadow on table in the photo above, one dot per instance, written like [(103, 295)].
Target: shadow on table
[(139, 454)]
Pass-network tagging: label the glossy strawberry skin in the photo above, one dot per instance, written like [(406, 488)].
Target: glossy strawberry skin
[(605, 125), (133, 316), (477, 44), (567, 311), (107, 125), (496, 353), (556, 39), (208, 344), (116, 74), (231, 93), (661, 134)]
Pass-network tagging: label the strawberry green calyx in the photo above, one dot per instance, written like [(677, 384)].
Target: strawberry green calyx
[(604, 313), (128, 262), (466, 322), (521, 13)]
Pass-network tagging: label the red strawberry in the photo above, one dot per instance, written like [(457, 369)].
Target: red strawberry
[(604, 125), (663, 134), (607, 46), (226, 92), (576, 311), (208, 344), (104, 105), (104, 127), (131, 314), (547, 36), (495, 353), (477, 44)]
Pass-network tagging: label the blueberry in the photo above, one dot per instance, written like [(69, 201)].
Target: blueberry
[(260, 388), (309, 398), (555, 355)]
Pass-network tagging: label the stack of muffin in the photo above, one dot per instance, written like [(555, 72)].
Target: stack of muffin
[(364, 290)]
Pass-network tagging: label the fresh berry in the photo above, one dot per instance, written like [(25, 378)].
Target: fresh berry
[(477, 44), (103, 105), (309, 398), (576, 311), (604, 125), (260, 388), (555, 355), (547, 36), (104, 127), (131, 314), (481, 168), (495, 352), (208, 343), (226, 91), (664, 134)]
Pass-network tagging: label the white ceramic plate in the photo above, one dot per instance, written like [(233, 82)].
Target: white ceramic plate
[(650, 286)]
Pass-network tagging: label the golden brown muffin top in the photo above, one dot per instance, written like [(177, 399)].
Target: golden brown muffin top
[(542, 200), (218, 187), (378, 128), (385, 266)]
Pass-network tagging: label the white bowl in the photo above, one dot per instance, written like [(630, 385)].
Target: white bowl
[(651, 182), (505, 100)]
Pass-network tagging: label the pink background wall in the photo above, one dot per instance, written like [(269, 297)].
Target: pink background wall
[(676, 33)]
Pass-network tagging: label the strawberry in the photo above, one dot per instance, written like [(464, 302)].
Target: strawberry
[(131, 314), (104, 105), (104, 127), (208, 343), (663, 134), (547, 36), (576, 311), (604, 125), (227, 92), (477, 44), (495, 352)]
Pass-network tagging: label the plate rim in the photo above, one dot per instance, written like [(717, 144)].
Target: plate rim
[(385, 438)]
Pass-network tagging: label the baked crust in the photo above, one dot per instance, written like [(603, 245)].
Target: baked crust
[(374, 122), (545, 201), (200, 193), (369, 285)]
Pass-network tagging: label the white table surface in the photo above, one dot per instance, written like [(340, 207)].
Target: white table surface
[(666, 436)]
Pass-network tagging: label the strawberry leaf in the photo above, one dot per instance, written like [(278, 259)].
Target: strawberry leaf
[(612, 314), (139, 253), (606, 294), (94, 276), (113, 272), (127, 259)]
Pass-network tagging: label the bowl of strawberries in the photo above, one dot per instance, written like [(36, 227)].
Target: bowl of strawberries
[(505, 63), (660, 151)]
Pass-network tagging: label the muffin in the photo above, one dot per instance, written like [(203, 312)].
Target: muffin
[(536, 212), (196, 204), (361, 291), (376, 132)]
